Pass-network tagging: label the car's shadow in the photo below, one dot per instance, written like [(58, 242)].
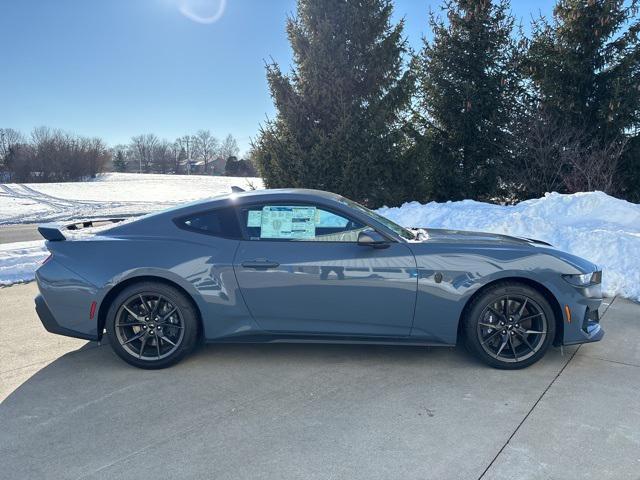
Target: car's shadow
[(85, 374), (89, 412), (95, 366)]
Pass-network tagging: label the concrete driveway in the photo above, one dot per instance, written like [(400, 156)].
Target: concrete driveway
[(71, 409)]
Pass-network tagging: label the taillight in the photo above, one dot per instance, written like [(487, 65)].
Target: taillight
[(92, 310), (46, 260)]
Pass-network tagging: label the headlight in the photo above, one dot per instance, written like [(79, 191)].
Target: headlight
[(584, 279)]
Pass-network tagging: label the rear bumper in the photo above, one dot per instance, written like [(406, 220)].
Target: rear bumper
[(51, 324)]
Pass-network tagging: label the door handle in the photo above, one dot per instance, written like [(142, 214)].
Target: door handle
[(260, 264)]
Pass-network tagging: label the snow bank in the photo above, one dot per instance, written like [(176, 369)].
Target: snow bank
[(593, 225), (19, 261)]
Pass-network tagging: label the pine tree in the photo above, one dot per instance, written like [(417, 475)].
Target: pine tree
[(119, 162), (341, 113), (585, 69), (469, 86)]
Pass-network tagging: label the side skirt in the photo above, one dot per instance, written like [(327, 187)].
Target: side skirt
[(332, 339)]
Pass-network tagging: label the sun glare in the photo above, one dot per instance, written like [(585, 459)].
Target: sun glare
[(202, 11)]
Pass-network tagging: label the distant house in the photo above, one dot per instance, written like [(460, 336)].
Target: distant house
[(218, 166), (196, 167)]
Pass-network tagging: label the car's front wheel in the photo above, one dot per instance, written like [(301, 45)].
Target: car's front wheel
[(509, 326), (152, 325)]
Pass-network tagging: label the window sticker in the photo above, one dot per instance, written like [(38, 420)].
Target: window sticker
[(254, 219), (287, 222)]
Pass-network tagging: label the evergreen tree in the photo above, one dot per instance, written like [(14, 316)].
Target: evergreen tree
[(340, 123), (119, 162), (469, 85), (585, 69)]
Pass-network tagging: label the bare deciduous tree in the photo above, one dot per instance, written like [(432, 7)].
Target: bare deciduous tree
[(141, 148), (229, 147), (593, 166), (8, 138), (551, 157), (206, 148), (187, 143)]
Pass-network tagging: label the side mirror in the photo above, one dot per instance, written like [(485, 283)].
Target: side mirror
[(371, 238)]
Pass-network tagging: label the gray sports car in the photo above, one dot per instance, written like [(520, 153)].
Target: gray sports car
[(310, 266)]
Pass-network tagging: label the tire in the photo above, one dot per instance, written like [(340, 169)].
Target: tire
[(152, 325), (502, 333)]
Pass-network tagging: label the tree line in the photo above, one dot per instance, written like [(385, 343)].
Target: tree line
[(482, 111), (201, 153), (52, 155)]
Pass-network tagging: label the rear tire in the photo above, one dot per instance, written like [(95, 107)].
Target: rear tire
[(509, 326), (152, 325)]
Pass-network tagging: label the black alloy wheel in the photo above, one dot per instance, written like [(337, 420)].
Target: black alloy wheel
[(152, 325), (509, 326)]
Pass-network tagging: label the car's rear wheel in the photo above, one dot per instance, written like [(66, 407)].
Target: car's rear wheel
[(152, 325), (509, 326)]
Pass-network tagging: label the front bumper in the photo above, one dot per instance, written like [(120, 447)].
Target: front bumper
[(51, 324), (584, 325)]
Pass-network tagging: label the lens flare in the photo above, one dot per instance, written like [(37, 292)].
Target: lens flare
[(203, 11)]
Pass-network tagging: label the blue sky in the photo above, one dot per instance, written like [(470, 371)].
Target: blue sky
[(118, 68)]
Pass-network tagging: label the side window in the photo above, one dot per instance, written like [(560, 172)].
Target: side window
[(221, 222), (305, 223)]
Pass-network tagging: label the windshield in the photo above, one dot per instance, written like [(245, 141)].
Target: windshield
[(403, 232)]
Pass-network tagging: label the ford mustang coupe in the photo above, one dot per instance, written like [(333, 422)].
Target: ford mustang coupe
[(295, 265)]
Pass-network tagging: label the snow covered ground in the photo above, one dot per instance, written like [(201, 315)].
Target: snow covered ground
[(111, 194), (592, 225)]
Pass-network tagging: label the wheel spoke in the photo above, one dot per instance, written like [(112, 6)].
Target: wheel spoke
[(158, 347), (166, 317), (513, 349), (524, 339), (144, 304), (174, 325), (530, 317), (489, 325), (135, 337), (134, 315), (524, 304), (132, 324), (502, 345), (495, 312), (155, 307), (163, 337), (490, 337), (543, 332), (142, 345), (505, 308)]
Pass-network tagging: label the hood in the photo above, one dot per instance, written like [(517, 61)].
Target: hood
[(478, 238)]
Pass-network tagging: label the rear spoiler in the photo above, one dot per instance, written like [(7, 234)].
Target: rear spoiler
[(54, 232)]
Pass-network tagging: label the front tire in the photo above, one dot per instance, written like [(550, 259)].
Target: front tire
[(509, 326), (152, 325)]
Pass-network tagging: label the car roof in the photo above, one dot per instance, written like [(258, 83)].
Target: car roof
[(268, 195), (228, 199)]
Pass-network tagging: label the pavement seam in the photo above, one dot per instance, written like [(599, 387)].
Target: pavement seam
[(528, 413), (540, 398), (610, 361)]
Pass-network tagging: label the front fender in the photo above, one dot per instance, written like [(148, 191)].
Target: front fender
[(448, 276)]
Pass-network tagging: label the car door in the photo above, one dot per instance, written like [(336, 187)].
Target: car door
[(301, 270)]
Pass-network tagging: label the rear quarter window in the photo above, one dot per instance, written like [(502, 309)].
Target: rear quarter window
[(221, 222)]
